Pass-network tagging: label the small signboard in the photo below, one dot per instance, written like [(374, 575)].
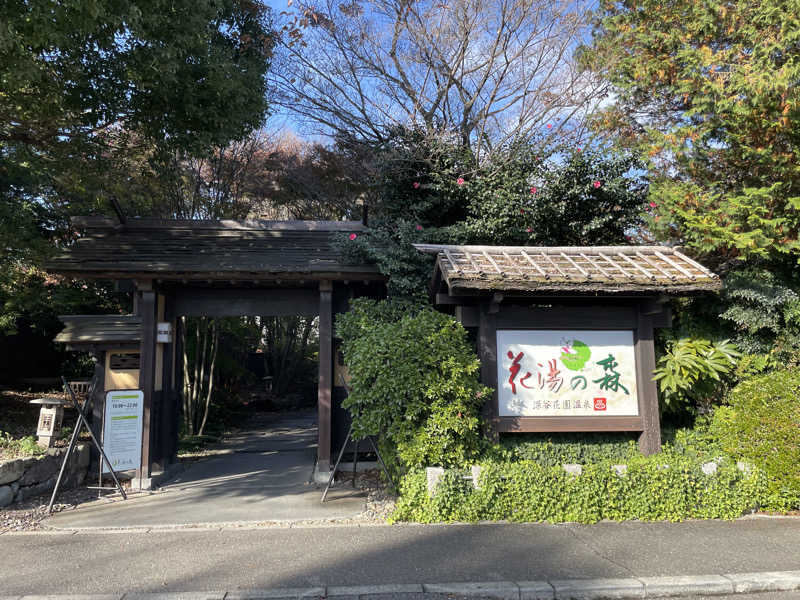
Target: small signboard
[(566, 373), (164, 332), (122, 429)]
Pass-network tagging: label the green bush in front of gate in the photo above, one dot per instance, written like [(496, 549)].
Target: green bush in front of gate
[(668, 486), (414, 383), (761, 425)]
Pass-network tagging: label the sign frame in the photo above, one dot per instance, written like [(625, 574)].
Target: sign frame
[(123, 446), (574, 314)]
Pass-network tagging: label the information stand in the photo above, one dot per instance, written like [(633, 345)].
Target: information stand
[(76, 432), (122, 429), (347, 440)]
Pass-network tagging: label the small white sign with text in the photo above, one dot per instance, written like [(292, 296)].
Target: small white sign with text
[(122, 429)]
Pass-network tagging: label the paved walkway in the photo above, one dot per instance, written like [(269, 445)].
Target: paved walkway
[(236, 559), (263, 475)]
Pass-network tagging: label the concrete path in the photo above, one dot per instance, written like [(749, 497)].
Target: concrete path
[(301, 557), (263, 475)]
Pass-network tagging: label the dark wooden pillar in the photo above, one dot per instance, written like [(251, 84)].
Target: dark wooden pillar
[(650, 438), (98, 398), (169, 408), (147, 373), (487, 351), (98, 390), (325, 376)]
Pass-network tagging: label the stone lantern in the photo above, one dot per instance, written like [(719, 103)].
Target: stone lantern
[(50, 416)]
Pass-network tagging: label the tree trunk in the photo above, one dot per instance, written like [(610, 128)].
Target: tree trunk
[(214, 348)]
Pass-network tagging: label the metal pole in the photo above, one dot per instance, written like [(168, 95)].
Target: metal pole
[(338, 460), (94, 439), (82, 421), (380, 459), (72, 441)]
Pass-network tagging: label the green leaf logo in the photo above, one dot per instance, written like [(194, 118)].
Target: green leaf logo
[(575, 355)]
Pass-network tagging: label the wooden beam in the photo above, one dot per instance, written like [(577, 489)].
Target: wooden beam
[(552, 424), (447, 300), (169, 415), (663, 320), (468, 316), (98, 398), (644, 351), (487, 352), (239, 302), (147, 373), (325, 389)]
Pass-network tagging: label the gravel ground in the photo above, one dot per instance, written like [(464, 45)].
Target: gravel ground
[(27, 515), (380, 496)]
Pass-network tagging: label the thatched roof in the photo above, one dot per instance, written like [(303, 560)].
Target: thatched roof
[(593, 269), (208, 250)]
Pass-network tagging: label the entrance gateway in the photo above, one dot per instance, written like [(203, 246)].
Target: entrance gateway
[(208, 268), (565, 335)]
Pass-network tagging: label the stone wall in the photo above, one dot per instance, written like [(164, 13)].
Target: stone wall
[(23, 478)]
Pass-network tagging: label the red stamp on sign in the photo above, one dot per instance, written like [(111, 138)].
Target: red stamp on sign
[(599, 403)]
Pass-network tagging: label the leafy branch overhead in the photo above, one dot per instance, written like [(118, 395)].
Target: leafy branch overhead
[(708, 92)]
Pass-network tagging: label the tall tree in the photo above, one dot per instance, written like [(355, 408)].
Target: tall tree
[(90, 89), (190, 73), (708, 90), (486, 73), (186, 75)]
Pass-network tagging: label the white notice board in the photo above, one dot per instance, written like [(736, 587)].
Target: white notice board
[(566, 373), (122, 429)]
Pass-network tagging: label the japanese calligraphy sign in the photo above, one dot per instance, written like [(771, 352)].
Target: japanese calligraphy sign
[(122, 429), (549, 373)]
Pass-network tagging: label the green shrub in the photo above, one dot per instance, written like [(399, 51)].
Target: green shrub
[(414, 383), (691, 370), (762, 426), (18, 447), (667, 486), (557, 449)]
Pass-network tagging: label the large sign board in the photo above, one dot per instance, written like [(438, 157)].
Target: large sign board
[(122, 429), (566, 373)]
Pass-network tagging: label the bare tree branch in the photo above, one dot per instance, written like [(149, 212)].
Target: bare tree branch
[(490, 72)]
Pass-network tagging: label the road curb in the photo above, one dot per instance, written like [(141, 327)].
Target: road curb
[(571, 589)]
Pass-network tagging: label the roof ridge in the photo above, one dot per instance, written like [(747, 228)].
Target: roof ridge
[(103, 222)]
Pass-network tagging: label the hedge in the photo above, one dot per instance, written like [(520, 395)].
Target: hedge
[(762, 426), (667, 486)]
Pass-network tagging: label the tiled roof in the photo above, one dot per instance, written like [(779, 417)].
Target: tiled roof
[(99, 329), (609, 269), (209, 249)]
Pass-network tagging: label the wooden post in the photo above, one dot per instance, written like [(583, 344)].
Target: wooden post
[(169, 405), (650, 438), (325, 376), (487, 351), (98, 399), (178, 382), (147, 373)]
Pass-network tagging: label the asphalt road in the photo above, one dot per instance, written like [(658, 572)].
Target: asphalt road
[(195, 560)]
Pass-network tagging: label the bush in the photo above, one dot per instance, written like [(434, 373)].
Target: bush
[(557, 449), (414, 383), (667, 486), (11, 447), (691, 371), (762, 426)]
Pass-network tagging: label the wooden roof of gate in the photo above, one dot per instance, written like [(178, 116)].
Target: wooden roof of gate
[(99, 329), (579, 270), (210, 250)]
